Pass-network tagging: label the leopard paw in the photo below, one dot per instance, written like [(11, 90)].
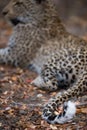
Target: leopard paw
[(38, 82)]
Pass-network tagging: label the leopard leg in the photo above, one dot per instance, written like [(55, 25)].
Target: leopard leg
[(50, 108), (45, 83), (52, 79), (7, 56)]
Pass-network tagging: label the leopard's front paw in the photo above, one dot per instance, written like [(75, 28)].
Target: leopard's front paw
[(41, 84), (38, 82)]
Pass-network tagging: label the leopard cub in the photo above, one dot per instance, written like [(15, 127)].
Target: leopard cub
[(40, 42)]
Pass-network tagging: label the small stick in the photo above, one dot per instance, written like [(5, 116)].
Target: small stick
[(81, 104)]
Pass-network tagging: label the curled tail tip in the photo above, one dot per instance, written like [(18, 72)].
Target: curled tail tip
[(69, 110)]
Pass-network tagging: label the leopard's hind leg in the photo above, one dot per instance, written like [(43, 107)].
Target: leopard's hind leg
[(49, 110)]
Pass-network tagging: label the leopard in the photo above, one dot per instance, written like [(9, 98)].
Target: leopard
[(40, 42), (34, 30)]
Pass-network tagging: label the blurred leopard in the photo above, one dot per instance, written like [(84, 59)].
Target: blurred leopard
[(41, 43)]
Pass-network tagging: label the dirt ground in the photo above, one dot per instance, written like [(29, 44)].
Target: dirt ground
[(21, 104)]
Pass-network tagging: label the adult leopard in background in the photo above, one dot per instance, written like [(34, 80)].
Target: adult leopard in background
[(40, 42)]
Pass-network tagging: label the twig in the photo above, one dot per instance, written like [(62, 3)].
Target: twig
[(81, 104)]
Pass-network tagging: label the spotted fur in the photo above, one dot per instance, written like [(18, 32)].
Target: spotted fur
[(40, 42)]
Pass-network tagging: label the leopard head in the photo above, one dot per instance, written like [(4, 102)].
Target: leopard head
[(24, 11)]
